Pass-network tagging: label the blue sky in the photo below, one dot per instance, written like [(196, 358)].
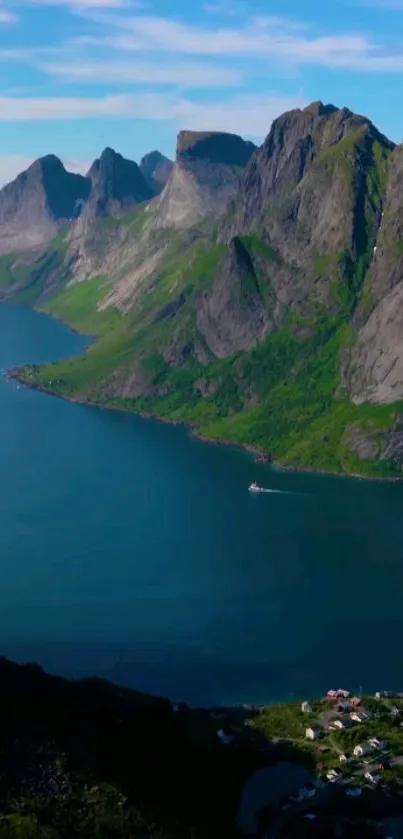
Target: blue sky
[(77, 75)]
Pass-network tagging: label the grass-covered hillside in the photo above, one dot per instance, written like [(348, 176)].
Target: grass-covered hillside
[(282, 397)]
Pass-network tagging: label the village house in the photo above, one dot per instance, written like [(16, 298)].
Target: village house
[(337, 694), (345, 722), (333, 775), (360, 716), (345, 757), (362, 749), (306, 708), (313, 732)]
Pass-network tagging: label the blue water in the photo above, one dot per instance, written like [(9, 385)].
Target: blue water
[(130, 551)]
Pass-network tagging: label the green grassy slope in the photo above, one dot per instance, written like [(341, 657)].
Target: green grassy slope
[(280, 397)]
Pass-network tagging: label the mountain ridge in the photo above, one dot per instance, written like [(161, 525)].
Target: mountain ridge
[(246, 297)]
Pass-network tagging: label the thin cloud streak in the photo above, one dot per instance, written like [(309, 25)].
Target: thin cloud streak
[(264, 38), (186, 75), (231, 114)]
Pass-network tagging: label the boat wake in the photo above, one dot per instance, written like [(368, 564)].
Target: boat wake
[(278, 491), (255, 488)]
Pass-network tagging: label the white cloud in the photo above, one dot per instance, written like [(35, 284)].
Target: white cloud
[(13, 54), (235, 114), (248, 113), (80, 167), (265, 38), (187, 75), (22, 109), (6, 16), (12, 164)]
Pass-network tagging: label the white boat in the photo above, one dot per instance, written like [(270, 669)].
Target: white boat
[(255, 487)]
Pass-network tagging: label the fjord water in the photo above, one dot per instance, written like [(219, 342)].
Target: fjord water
[(130, 551)]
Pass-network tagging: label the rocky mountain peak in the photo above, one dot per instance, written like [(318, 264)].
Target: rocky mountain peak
[(37, 202), (117, 186), (206, 174), (319, 109), (156, 169), (214, 146), (303, 147)]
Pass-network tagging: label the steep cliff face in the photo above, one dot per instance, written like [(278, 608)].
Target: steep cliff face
[(374, 369), (156, 169), (313, 191), (96, 241), (236, 312), (205, 176), (38, 202)]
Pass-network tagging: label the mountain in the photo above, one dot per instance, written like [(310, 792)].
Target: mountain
[(156, 170), (313, 193), (117, 185), (206, 174), (257, 297), (38, 202)]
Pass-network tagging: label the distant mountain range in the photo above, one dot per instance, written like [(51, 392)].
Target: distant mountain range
[(253, 292)]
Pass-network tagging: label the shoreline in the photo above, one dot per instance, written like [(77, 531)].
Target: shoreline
[(260, 456)]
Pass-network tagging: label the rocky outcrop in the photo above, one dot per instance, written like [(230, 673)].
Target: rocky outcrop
[(156, 169), (38, 202), (204, 178), (380, 444)]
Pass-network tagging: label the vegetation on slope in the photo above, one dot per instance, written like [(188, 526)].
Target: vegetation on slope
[(279, 397)]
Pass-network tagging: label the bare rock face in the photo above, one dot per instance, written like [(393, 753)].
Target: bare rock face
[(96, 239), (233, 315), (156, 169), (305, 191), (38, 202), (380, 444), (204, 178), (117, 185), (374, 369)]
